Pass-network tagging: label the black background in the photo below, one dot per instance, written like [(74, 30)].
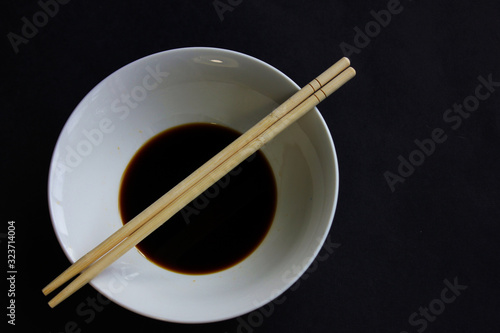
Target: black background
[(396, 247)]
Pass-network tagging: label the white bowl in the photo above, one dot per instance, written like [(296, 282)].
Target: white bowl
[(161, 91)]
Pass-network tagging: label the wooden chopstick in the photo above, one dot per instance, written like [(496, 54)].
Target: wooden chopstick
[(157, 206), (200, 180), (161, 203)]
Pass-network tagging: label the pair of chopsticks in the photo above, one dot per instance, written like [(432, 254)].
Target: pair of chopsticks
[(133, 232)]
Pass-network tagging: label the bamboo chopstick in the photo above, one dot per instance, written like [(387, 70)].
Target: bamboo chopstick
[(186, 191), (157, 206), (152, 210)]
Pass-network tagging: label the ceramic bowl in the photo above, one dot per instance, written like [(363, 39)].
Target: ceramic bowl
[(161, 91)]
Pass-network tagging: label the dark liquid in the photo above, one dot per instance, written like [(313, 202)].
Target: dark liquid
[(223, 225)]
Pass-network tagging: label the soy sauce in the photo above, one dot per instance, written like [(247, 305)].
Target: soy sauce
[(223, 225)]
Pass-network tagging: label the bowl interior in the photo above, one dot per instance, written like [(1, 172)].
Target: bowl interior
[(168, 89)]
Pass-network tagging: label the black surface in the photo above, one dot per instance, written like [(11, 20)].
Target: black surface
[(394, 252)]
